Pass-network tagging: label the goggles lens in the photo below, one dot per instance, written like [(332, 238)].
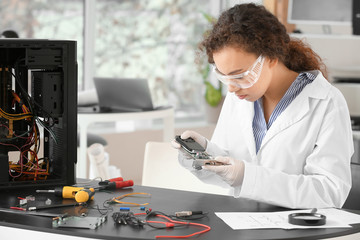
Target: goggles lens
[(245, 79)]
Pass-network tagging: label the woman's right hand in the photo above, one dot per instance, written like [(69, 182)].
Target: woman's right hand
[(190, 134), (184, 158)]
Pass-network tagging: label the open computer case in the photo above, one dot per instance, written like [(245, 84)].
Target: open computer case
[(38, 114)]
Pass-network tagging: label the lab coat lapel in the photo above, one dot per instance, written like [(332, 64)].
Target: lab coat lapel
[(246, 127), (297, 109), (292, 114)]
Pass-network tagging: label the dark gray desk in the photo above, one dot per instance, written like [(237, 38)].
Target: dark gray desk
[(167, 201)]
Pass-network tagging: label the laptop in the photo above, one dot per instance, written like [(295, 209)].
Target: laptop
[(123, 94)]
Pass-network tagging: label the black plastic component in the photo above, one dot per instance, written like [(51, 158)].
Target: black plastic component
[(48, 91), (190, 145)]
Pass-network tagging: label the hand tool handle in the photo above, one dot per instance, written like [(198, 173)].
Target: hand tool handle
[(70, 192), (106, 182), (123, 184), (118, 185), (118, 179), (85, 195)]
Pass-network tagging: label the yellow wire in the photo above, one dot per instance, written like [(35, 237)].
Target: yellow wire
[(18, 116), (116, 199)]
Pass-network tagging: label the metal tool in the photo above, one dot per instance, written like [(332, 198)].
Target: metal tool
[(115, 183)]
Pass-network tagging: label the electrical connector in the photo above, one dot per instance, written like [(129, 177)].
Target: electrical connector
[(183, 213), (187, 213)]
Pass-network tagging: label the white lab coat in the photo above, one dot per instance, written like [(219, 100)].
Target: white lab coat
[(304, 159)]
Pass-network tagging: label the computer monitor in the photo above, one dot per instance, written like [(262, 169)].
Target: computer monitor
[(321, 12), (38, 112)]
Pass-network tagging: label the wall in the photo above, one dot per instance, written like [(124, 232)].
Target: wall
[(126, 149)]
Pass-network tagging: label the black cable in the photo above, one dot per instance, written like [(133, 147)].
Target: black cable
[(128, 218), (105, 209)]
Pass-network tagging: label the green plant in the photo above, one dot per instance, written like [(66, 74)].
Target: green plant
[(213, 95)]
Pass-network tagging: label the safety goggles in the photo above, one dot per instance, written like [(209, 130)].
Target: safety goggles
[(245, 79)]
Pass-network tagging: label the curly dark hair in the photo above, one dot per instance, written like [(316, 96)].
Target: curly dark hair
[(254, 29)]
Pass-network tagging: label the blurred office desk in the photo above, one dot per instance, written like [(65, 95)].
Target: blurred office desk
[(164, 200), (85, 119)]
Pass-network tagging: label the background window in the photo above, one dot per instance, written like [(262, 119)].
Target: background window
[(152, 39), (46, 19), (155, 40)]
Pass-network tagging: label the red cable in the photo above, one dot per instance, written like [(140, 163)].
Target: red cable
[(207, 228)]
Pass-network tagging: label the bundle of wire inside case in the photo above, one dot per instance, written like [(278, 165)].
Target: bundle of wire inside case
[(26, 141)]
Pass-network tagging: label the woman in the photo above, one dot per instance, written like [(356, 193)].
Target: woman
[(284, 135)]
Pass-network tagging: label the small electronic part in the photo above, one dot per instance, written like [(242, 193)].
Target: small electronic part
[(190, 215), (124, 209), (30, 198), (79, 222), (22, 201), (183, 213), (187, 213), (127, 218), (48, 201)]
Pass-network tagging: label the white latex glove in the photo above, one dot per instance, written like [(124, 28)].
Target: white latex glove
[(233, 173), (184, 158), (194, 135)]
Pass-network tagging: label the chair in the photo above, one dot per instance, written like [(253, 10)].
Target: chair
[(353, 200), (161, 169)]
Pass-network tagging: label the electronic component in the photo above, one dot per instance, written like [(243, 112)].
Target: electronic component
[(48, 201), (190, 145), (38, 118), (197, 152), (187, 213)]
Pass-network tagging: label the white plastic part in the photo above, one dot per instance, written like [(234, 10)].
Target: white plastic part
[(99, 161)]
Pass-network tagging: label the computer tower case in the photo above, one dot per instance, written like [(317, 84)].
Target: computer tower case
[(38, 115), (356, 17)]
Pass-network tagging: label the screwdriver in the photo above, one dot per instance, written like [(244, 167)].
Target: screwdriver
[(80, 194)]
